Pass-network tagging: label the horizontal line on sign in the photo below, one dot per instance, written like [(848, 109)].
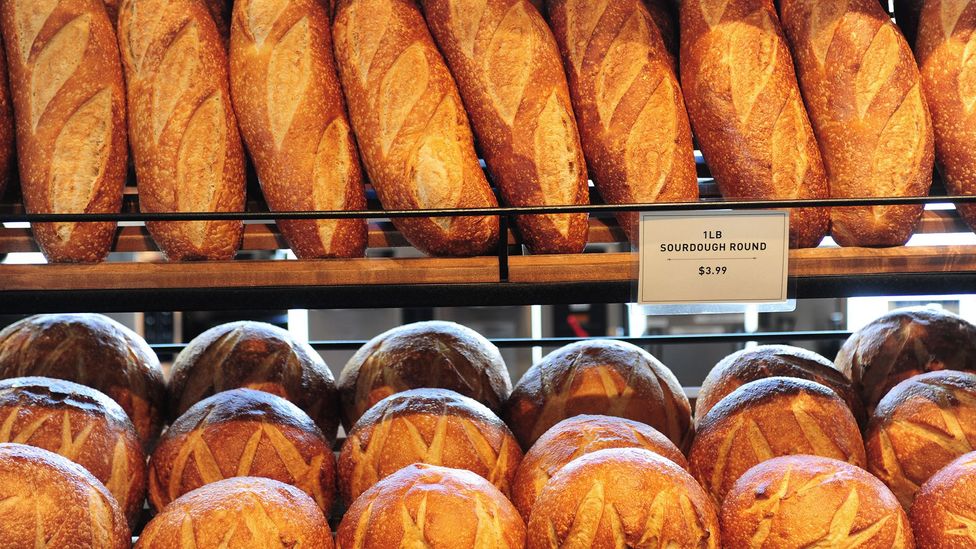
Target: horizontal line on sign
[(713, 259)]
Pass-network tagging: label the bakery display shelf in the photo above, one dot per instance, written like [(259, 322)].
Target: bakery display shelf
[(388, 279)]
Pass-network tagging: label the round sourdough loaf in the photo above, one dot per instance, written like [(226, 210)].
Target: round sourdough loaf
[(436, 355), (82, 425), (242, 433), (92, 350), (254, 355), (48, 501), (578, 436), (919, 427), (765, 361), (771, 417), (430, 506), (944, 512), (434, 426), (902, 344), (623, 497), (239, 513), (809, 501), (605, 377)]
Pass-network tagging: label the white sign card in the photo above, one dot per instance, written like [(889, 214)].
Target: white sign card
[(711, 258)]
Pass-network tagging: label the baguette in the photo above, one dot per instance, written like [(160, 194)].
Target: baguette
[(293, 120), (412, 130), (945, 41), (510, 77), (631, 114), (188, 153), (862, 90), (6, 126), (747, 111), (69, 102)]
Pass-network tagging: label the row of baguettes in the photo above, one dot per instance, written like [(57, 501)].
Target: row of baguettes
[(849, 119)]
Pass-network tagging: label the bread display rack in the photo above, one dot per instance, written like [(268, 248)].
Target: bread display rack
[(506, 278)]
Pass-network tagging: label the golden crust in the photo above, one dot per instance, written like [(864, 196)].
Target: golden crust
[(623, 497), (239, 513), (436, 354), (429, 506), (237, 433), (599, 377), (106, 356), (772, 417), (254, 355), (578, 436), (808, 501), (434, 426), (944, 513)]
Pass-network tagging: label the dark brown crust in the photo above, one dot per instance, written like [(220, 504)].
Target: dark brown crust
[(218, 435), (413, 133), (107, 356), (765, 361), (746, 109), (39, 410), (436, 355), (59, 498), (291, 111), (902, 344), (578, 436), (254, 355), (807, 501), (434, 426), (571, 381), (771, 417), (433, 507), (944, 507), (631, 114), (78, 131), (861, 87)]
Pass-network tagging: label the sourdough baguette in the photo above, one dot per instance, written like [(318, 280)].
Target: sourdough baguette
[(6, 126), (293, 120), (862, 90), (632, 118), (69, 102), (187, 149), (510, 77), (747, 111), (411, 126), (943, 49)]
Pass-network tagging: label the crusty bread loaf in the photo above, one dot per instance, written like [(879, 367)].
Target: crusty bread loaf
[(433, 426), (604, 377), (632, 117), (239, 513), (430, 506), (902, 344), (69, 102), (254, 355), (52, 502), (187, 149), (412, 130), (765, 361), (862, 90), (241, 433), (944, 53), (293, 120), (510, 77), (436, 355), (920, 426), (944, 513), (81, 424), (578, 436), (809, 501), (7, 145), (665, 17), (623, 497), (104, 355), (776, 416), (747, 111), (907, 13)]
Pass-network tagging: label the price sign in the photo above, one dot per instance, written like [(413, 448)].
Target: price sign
[(713, 257)]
